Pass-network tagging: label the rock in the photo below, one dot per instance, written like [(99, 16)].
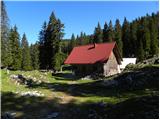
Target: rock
[(14, 76), (31, 93), (25, 82), (34, 79), (86, 77), (153, 60), (8, 115), (46, 73), (39, 81)]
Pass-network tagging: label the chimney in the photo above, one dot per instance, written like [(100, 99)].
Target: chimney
[(94, 45)]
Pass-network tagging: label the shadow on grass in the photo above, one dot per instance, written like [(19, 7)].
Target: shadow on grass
[(66, 76), (146, 107), (84, 89), (27, 106), (145, 78), (141, 78), (39, 107)]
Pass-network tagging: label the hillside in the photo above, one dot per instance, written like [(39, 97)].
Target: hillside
[(38, 94)]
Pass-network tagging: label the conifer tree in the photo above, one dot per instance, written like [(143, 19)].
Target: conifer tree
[(50, 38), (105, 32), (154, 39), (42, 50), (72, 42), (81, 39), (126, 39), (140, 51), (98, 38), (86, 38), (118, 36), (26, 58), (133, 38), (60, 33), (54, 34), (14, 44), (6, 58), (77, 40), (50, 42), (110, 32), (146, 38), (34, 52)]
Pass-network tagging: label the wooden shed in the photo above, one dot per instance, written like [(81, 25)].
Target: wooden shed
[(103, 58)]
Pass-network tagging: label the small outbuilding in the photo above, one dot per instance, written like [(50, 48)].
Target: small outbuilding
[(103, 58), (127, 61)]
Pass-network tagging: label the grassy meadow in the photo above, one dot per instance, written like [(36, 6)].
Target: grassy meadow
[(71, 97)]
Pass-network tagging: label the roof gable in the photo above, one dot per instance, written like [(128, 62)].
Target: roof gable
[(90, 54)]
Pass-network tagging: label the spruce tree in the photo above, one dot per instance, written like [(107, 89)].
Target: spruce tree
[(140, 51), (146, 38), (77, 40), (72, 43), (98, 38), (14, 43), (105, 32), (81, 39), (54, 34), (133, 38), (86, 38), (118, 36), (154, 39), (34, 52), (42, 48), (26, 58), (126, 38), (110, 32), (50, 42), (6, 58), (60, 34)]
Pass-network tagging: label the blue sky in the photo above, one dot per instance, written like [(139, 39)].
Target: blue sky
[(76, 16)]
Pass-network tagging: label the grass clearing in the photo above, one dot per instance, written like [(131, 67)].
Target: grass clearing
[(62, 93)]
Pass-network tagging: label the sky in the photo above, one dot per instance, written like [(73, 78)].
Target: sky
[(77, 16)]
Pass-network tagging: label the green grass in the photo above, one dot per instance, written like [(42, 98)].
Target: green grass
[(60, 92)]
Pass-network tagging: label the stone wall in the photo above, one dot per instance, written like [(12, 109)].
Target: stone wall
[(111, 66)]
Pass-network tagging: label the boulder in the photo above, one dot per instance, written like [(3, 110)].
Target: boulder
[(31, 93), (8, 115), (14, 76), (86, 77)]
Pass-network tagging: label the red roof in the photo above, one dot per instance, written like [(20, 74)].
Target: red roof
[(88, 54)]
